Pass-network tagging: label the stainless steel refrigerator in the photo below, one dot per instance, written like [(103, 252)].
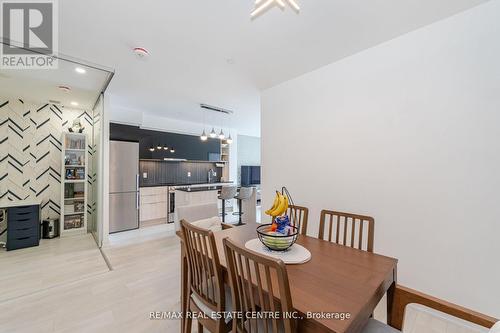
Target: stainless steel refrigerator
[(123, 186)]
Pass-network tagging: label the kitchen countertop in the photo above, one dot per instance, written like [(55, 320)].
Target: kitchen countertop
[(202, 184), (199, 189)]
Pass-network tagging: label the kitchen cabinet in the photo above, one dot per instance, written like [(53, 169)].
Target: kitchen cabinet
[(153, 203)]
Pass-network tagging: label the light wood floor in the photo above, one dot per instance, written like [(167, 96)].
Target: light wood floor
[(55, 262), (145, 278)]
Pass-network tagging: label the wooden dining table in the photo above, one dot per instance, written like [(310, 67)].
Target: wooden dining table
[(337, 282)]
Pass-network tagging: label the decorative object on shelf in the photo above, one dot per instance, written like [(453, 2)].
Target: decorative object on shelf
[(282, 232), (77, 126)]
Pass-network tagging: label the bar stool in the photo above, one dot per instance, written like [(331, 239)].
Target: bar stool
[(226, 193), (244, 194)]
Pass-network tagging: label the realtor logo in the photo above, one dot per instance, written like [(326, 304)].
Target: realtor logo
[(29, 34)]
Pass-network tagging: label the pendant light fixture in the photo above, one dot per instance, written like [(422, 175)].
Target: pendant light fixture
[(172, 150), (165, 147), (229, 139), (222, 136), (203, 136), (159, 147), (220, 111), (212, 133), (151, 148)]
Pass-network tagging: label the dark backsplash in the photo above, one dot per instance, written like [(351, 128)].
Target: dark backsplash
[(171, 173)]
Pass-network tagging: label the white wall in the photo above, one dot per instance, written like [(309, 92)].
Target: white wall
[(408, 132)]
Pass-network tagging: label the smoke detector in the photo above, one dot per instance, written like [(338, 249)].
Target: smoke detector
[(64, 88), (141, 52)]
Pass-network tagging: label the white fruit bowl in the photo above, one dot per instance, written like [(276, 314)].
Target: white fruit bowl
[(274, 240)]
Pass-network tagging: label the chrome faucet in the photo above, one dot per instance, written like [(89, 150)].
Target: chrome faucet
[(211, 173)]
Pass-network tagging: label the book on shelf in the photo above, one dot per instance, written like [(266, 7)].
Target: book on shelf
[(74, 143), (73, 221)]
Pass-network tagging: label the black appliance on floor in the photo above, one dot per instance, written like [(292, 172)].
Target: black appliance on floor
[(50, 228)]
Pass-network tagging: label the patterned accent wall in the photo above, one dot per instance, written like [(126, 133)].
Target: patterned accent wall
[(30, 152)]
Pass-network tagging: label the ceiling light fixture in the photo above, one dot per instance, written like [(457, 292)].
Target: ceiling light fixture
[(229, 139), (263, 5), (141, 52), (74, 103), (204, 136), (80, 70)]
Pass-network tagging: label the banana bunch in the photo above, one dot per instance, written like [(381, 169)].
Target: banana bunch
[(280, 205)]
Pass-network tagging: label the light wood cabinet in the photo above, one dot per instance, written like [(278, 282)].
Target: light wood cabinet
[(153, 203)]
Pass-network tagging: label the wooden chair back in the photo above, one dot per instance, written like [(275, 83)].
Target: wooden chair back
[(205, 272), (298, 217), (258, 284), (356, 231)]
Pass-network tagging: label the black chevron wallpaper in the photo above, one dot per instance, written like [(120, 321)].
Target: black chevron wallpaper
[(30, 152)]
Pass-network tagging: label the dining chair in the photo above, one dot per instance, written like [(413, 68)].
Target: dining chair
[(208, 296), (259, 284), (298, 217), (419, 318), (353, 230)]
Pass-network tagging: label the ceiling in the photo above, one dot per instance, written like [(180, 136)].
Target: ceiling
[(212, 52), (42, 86)]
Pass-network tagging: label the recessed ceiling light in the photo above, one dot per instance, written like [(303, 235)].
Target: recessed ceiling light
[(74, 103), (80, 70)]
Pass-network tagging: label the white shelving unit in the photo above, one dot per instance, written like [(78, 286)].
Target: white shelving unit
[(224, 156), (74, 184)]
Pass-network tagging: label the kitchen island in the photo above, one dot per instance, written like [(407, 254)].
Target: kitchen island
[(203, 194), (157, 203)]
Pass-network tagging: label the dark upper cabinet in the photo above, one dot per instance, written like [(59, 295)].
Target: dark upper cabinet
[(188, 147)]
